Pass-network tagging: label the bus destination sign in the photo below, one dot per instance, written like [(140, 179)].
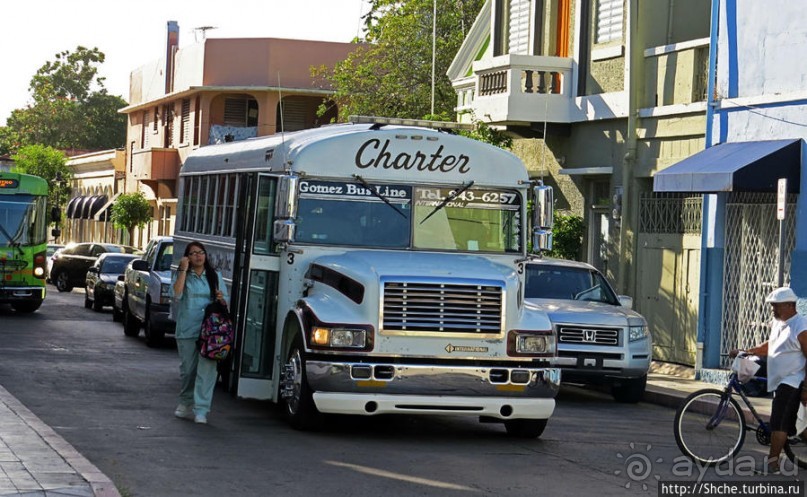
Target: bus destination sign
[(9, 183)]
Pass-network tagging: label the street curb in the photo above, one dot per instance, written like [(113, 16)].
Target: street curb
[(101, 485)]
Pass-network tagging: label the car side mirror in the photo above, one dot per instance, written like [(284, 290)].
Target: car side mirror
[(140, 265), (625, 301), (121, 277), (92, 269)]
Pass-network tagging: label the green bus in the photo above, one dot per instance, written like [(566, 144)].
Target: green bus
[(23, 240)]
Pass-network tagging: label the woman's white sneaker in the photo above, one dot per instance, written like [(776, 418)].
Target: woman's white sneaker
[(184, 412)]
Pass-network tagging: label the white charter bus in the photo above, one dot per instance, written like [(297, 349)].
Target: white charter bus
[(374, 268)]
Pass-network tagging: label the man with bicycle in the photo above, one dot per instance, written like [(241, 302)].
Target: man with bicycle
[(786, 350)]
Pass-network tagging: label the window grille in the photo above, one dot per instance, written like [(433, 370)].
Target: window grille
[(670, 213)]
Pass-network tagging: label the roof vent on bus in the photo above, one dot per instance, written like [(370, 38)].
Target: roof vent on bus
[(423, 123)]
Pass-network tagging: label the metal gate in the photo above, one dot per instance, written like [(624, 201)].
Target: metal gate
[(750, 267)]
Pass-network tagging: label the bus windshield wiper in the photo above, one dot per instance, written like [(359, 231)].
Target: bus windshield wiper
[(384, 199), (11, 242), (451, 196)]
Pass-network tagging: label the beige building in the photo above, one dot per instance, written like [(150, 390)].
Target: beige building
[(601, 95), (215, 91), (98, 178)]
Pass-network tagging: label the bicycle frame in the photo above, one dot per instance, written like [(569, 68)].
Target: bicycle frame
[(735, 387)]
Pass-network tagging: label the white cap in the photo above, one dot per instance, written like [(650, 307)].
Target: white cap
[(781, 295)]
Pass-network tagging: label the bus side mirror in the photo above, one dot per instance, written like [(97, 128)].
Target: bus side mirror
[(54, 215), (283, 230), (543, 217), (286, 204)]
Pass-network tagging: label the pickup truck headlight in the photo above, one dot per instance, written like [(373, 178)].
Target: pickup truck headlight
[(533, 343), (338, 338), (637, 332), (165, 293)]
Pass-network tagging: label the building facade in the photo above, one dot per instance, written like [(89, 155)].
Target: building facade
[(98, 179), (754, 137), (215, 91), (601, 95)]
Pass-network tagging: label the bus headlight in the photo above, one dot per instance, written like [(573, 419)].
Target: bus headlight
[(538, 343), (338, 338)]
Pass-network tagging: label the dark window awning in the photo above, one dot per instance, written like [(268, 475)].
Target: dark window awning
[(95, 206), (735, 167), (104, 213), (71, 206)]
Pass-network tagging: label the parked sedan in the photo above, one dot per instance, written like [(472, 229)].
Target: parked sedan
[(119, 299), (52, 249), (101, 279), (71, 263)]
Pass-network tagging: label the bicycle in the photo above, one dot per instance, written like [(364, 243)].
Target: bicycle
[(710, 426)]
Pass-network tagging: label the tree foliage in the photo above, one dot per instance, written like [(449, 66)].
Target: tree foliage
[(70, 107), (50, 164), (567, 236), (131, 210), (389, 74)]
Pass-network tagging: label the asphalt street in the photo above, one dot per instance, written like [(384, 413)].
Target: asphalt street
[(112, 398)]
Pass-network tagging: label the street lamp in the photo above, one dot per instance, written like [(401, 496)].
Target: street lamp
[(55, 214)]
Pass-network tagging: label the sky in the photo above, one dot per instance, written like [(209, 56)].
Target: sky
[(133, 33)]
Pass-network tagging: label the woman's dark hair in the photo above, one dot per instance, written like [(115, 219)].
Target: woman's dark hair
[(210, 273)]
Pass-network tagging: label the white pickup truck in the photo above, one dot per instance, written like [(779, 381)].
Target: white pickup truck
[(147, 294), (600, 339)]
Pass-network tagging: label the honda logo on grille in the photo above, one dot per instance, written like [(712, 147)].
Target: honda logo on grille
[(589, 336)]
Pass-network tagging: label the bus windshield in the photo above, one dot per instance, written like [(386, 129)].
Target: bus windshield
[(345, 213), (21, 220)]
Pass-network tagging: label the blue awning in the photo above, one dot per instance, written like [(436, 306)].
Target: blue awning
[(735, 167)]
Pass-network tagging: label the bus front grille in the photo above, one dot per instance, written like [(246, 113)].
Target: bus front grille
[(442, 308)]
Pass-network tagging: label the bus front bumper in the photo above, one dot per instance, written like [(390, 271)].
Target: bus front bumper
[(498, 391), (12, 294)]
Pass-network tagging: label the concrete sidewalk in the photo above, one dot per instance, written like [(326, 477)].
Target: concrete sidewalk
[(668, 385), (36, 461)]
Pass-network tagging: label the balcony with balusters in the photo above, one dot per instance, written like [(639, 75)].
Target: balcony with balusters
[(515, 88)]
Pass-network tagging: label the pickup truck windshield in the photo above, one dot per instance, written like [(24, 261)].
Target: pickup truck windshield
[(349, 213), (544, 281)]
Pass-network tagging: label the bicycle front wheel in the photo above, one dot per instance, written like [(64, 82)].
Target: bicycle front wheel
[(709, 427)]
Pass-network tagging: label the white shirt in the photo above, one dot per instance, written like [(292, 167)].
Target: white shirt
[(786, 362)]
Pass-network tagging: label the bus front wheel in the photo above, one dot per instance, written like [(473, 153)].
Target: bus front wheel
[(300, 410)]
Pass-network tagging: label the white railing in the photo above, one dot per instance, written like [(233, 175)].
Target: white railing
[(523, 88)]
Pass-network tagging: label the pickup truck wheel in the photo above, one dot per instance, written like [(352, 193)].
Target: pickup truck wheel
[(131, 326), (525, 428), (62, 282), (629, 390), (299, 405), (154, 336)]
